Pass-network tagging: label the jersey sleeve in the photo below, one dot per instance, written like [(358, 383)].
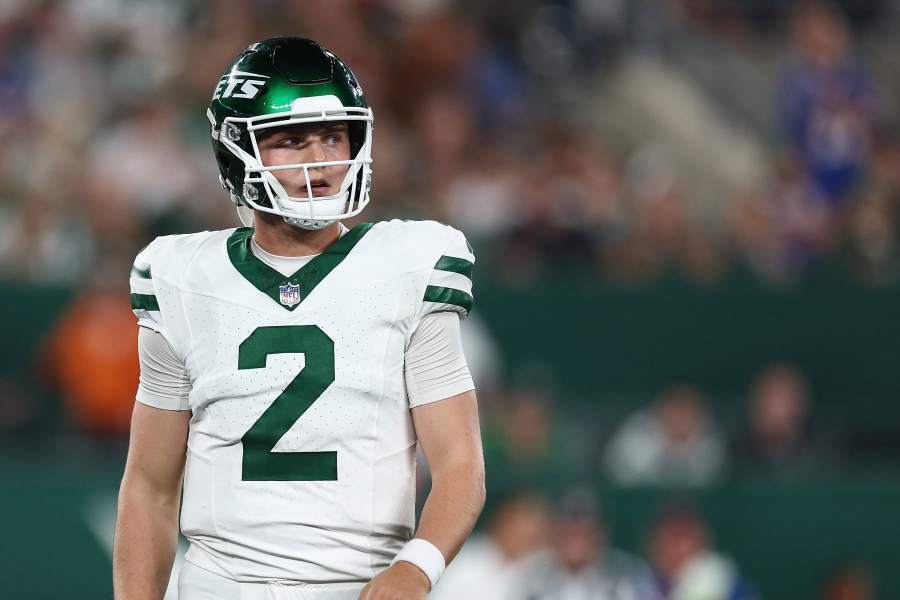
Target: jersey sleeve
[(144, 300), (449, 286), (435, 366), (164, 381)]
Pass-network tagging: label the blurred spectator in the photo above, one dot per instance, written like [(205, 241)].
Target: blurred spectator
[(674, 442), (662, 241), (144, 160), (444, 123), (583, 565), (851, 581), (44, 242), (828, 102), (522, 440), (483, 197), (685, 564), (875, 219), (779, 439), (491, 564), (565, 200), (785, 232), (93, 358)]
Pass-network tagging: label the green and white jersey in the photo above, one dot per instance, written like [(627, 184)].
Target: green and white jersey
[(301, 452)]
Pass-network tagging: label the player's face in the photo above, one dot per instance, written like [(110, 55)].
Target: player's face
[(307, 143)]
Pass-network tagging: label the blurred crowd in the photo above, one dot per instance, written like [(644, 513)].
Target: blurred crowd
[(558, 135), (532, 549), (677, 441), (545, 538)]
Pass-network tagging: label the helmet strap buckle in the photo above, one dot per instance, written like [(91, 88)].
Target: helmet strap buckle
[(250, 192), (232, 132)]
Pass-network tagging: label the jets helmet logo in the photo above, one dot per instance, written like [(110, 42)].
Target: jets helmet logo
[(240, 84)]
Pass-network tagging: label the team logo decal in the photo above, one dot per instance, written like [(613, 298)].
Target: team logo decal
[(289, 294), (240, 84)]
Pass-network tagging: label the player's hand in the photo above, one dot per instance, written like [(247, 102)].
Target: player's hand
[(403, 581)]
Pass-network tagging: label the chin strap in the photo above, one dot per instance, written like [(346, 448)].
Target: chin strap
[(245, 214), (311, 224)]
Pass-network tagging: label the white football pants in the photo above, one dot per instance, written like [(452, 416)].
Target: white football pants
[(195, 583)]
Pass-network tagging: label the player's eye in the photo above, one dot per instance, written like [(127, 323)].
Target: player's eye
[(333, 139)]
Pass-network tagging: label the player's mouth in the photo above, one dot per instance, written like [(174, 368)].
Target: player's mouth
[(320, 187)]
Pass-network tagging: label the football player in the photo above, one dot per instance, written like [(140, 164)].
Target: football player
[(289, 367)]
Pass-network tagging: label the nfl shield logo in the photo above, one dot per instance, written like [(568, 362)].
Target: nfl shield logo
[(289, 294)]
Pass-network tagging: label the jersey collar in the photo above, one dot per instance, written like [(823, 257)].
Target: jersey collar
[(289, 291)]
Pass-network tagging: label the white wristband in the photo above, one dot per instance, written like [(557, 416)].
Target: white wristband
[(424, 555)]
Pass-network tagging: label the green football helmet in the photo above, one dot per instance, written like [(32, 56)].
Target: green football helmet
[(279, 82)]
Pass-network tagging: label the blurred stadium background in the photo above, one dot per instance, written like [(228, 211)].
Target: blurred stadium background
[(686, 216)]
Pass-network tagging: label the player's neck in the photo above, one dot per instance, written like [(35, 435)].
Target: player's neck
[(277, 237)]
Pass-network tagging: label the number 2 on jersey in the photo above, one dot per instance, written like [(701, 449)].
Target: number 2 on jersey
[(259, 462)]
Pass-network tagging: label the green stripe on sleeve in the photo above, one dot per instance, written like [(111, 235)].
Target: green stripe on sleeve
[(444, 295), (140, 272), (452, 264), (144, 302)]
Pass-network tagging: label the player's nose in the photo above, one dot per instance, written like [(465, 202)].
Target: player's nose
[(317, 151)]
